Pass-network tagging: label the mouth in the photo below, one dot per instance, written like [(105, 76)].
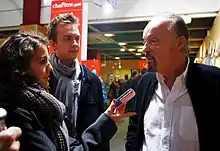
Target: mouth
[(73, 51), (47, 78), (149, 57)]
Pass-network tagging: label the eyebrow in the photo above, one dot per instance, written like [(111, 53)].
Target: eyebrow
[(150, 36), (43, 57)]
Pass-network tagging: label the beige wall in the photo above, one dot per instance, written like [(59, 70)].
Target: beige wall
[(214, 35)]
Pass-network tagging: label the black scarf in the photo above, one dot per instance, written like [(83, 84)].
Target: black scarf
[(36, 99)]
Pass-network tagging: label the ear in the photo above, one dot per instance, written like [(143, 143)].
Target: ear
[(53, 44), (181, 42)]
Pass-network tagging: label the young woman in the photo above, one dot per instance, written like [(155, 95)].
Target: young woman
[(24, 75)]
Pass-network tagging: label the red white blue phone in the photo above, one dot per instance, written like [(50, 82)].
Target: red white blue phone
[(125, 97)]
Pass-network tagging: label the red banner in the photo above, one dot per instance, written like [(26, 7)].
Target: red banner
[(68, 6), (93, 65), (142, 64)]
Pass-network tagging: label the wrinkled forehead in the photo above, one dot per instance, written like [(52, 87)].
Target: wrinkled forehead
[(159, 24)]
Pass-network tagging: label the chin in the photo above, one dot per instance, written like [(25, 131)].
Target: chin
[(72, 58), (45, 85)]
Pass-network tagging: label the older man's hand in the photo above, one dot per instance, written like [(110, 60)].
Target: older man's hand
[(118, 114)]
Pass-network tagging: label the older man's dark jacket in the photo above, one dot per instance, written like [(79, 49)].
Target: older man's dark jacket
[(203, 83), (90, 103)]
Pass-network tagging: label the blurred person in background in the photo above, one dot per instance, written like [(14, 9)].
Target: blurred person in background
[(116, 89)]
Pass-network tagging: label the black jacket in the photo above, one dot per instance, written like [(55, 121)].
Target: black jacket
[(91, 104), (203, 84), (36, 137)]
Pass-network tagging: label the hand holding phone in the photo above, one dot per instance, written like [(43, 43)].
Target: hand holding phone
[(124, 98)]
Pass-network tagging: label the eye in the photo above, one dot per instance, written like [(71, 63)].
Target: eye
[(43, 61), (67, 37), (154, 41)]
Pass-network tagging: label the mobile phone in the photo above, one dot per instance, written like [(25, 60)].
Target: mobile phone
[(124, 98)]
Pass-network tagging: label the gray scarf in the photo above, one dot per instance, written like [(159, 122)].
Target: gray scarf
[(68, 86)]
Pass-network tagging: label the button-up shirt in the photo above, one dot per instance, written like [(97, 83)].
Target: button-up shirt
[(169, 121)]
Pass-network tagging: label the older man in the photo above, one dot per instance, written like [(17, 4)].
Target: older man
[(177, 106)]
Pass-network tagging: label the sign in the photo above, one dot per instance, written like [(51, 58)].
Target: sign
[(142, 64), (112, 3), (93, 65), (76, 8)]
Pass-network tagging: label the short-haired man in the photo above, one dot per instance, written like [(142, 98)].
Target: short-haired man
[(178, 105), (70, 82)]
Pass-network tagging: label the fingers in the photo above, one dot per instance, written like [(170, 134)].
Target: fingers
[(128, 114), (15, 131), (120, 116), (110, 109), (15, 146), (124, 115), (8, 136), (121, 109)]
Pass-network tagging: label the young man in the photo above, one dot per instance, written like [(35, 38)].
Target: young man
[(70, 82), (177, 107)]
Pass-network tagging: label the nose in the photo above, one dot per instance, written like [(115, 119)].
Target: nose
[(146, 47), (49, 67), (75, 43)]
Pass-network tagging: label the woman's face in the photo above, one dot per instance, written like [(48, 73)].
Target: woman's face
[(40, 66)]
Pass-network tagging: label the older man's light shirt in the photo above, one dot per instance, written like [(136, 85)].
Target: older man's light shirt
[(169, 122)]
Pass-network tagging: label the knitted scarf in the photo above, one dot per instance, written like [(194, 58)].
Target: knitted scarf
[(46, 107), (68, 87)]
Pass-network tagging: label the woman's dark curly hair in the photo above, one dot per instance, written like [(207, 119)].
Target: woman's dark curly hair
[(15, 57)]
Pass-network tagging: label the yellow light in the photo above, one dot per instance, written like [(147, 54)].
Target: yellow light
[(140, 50), (131, 49), (122, 43), (122, 49), (108, 35)]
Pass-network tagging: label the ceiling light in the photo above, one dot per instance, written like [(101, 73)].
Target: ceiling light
[(140, 50), (138, 54), (140, 47), (131, 49), (143, 57), (117, 58), (122, 49), (108, 35), (122, 43)]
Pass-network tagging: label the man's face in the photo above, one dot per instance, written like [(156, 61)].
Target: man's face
[(159, 45), (67, 41)]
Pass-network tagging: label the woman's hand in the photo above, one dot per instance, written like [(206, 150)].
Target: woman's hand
[(118, 114)]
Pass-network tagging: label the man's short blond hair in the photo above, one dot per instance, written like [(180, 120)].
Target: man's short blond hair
[(61, 19)]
